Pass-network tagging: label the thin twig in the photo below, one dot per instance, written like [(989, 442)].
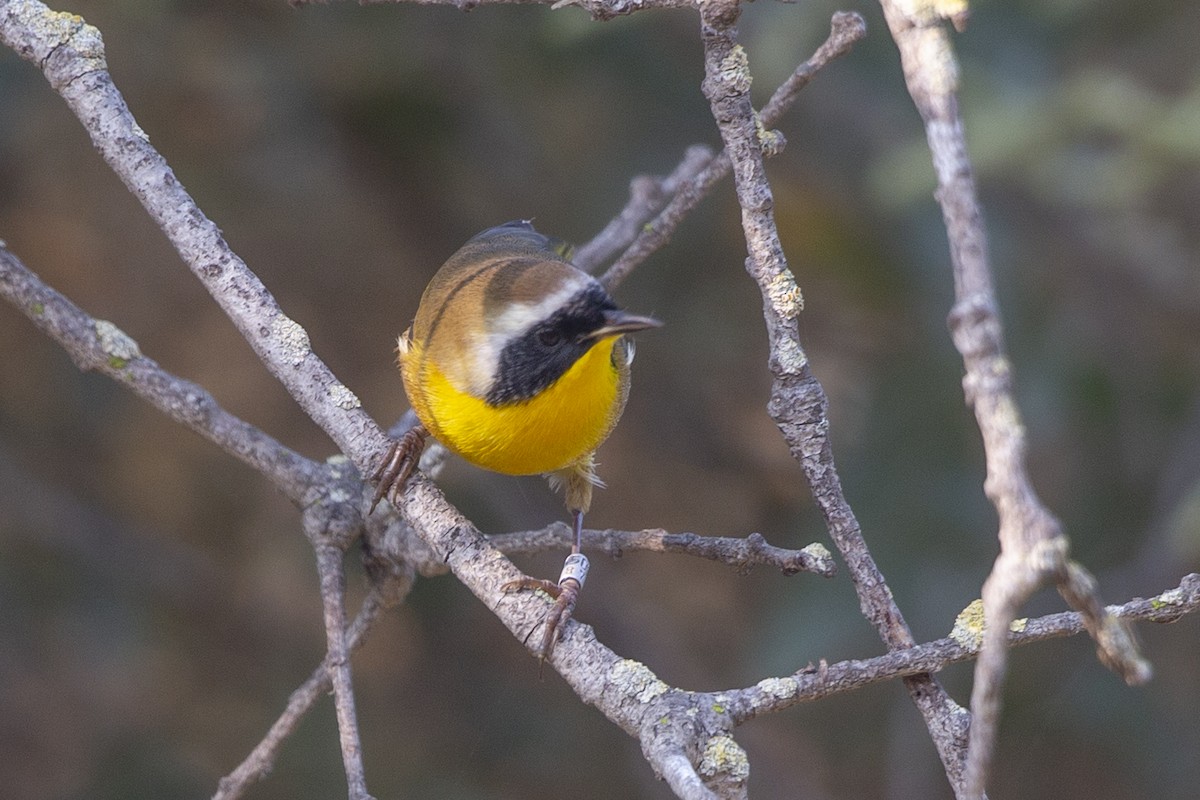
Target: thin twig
[(647, 197), (846, 28), (599, 9), (1033, 547), (797, 400), (100, 346), (817, 682), (261, 760), (333, 596), (331, 527), (739, 553), (71, 55)]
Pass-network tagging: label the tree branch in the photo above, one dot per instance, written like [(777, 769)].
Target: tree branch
[(815, 683), (797, 401), (100, 346), (71, 55), (1033, 547), (625, 691), (321, 489), (685, 736), (600, 10), (330, 537), (741, 554), (846, 28), (647, 197), (261, 760)]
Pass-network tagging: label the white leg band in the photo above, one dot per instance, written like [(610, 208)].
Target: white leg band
[(576, 567)]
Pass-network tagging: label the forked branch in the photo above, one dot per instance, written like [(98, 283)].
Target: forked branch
[(1033, 547), (798, 403), (684, 735), (71, 55)]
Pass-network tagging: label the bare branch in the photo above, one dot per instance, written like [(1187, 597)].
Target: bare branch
[(767, 696), (329, 537), (797, 400), (683, 779), (599, 9), (647, 196), (846, 29), (261, 760), (71, 54), (664, 720), (685, 736), (98, 345), (1034, 548), (741, 554), (814, 683)]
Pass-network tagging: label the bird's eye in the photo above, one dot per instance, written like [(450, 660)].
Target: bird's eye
[(549, 337)]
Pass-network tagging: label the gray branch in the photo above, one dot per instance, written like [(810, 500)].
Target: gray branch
[(100, 346), (71, 55), (685, 736), (647, 197), (262, 758), (741, 554), (600, 10), (671, 730), (798, 401), (846, 28), (817, 682), (1033, 547)]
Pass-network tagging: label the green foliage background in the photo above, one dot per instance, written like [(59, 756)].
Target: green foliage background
[(158, 601)]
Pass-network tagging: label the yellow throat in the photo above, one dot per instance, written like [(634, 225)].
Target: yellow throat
[(559, 427)]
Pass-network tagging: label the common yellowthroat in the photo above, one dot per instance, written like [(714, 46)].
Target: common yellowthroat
[(519, 362)]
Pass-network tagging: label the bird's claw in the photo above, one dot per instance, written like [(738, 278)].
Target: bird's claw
[(565, 594), (398, 465)]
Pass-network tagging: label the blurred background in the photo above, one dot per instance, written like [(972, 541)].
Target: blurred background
[(158, 601)]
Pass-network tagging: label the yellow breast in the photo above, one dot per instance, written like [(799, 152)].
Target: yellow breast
[(556, 428)]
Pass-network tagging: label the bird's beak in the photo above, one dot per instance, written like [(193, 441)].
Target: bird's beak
[(619, 322)]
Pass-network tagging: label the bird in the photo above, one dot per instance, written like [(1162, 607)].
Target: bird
[(519, 362)]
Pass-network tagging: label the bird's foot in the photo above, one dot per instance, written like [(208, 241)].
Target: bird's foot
[(565, 594), (398, 465)]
